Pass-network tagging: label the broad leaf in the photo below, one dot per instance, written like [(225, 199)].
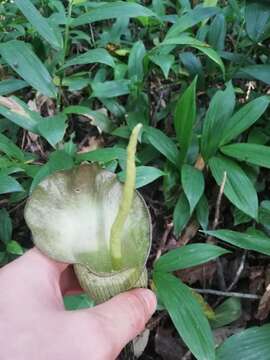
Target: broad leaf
[(251, 344), (238, 187), (256, 242), (8, 184), (230, 310), (113, 10), (97, 118), (144, 175), (184, 118), (258, 72), (244, 118), (257, 16), (5, 226), (162, 143), (164, 62), (201, 46), (202, 212), (193, 184), (111, 89), (41, 24), (53, 128), (190, 19), (252, 153), (13, 247), (135, 61), (8, 147), (181, 214), (103, 155), (188, 256), (11, 85), (100, 56), (23, 61), (186, 314), (76, 302), (220, 110), (16, 111)]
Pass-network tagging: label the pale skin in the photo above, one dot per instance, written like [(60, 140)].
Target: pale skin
[(34, 324)]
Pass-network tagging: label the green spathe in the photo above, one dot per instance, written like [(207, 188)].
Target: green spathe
[(71, 213)]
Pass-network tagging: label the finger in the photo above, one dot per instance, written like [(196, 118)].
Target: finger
[(69, 283), (34, 273), (126, 315)]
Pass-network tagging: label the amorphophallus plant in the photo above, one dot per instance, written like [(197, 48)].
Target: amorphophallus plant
[(86, 217)]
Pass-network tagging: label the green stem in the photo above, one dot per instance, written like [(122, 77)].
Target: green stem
[(126, 200)]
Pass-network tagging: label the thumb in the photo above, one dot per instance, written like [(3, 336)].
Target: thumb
[(127, 314)]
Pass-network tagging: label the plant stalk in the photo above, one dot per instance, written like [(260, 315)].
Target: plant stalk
[(126, 201)]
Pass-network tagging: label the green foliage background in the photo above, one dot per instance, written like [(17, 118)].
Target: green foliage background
[(196, 74)]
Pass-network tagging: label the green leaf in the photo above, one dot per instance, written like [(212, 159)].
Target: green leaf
[(230, 310), (252, 153), (99, 56), (11, 85), (259, 72), (8, 147), (184, 118), (164, 62), (188, 256), (193, 184), (238, 187), (201, 46), (135, 61), (8, 184), (264, 213), (41, 24), (220, 110), (210, 2), (181, 214), (111, 89), (190, 19), (16, 111), (255, 242), (202, 212), (244, 118), (53, 128), (217, 32), (58, 160), (144, 175), (97, 118), (186, 314), (162, 143), (13, 247), (76, 302), (5, 226), (103, 155), (23, 61), (251, 344), (116, 9), (257, 17)]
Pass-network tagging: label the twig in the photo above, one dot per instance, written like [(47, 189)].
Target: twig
[(227, 294), (238, 272), (163, 240), (219, 198), (220, 273), (152, 323)]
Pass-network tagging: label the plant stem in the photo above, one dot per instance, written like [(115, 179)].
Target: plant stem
[(126, 200)]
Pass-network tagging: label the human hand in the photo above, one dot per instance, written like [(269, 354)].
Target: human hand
[(34, 324)]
